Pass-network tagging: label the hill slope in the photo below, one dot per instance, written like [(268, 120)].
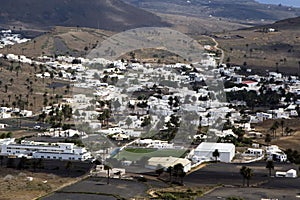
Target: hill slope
[(103, 14), (240, 10), (262, 49)]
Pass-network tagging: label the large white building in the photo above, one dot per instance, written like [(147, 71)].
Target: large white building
[(61, 151), (205, 151)]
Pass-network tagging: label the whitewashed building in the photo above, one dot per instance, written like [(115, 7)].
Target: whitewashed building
[(61, 151), (276, 154), (206, 149)]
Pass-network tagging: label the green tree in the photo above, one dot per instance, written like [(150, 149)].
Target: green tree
[(274, 128), (243, 173), (159, 169), (170, 170), (216, 154), (268, 138), (69, 166), (107, 168), (247, 174), (270, 166), (282, 127)]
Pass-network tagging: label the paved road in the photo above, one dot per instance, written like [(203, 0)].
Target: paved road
[(251, 194), (97, 188), (228, 175)]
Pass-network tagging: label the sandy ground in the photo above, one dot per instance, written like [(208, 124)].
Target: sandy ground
[(16, 184)]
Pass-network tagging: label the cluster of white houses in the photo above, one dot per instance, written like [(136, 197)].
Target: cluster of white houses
[(31, 149)]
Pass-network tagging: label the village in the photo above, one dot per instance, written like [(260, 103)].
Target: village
[(141, 117)]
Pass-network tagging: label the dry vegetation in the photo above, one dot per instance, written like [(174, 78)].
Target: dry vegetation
[(180, 192), (197, 26), (260, 50), (60, 40), (285, 142), (14, 184), (24, 88)]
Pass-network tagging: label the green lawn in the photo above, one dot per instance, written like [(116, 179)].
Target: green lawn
[(134, 154)]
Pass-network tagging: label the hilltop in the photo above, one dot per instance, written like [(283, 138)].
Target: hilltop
[(291, 23), (102, 14)]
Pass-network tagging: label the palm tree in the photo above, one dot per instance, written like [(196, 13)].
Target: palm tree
[(68, 166), (243, 172), (274, 128), (159, 169), (216, 154), (268, 138), (169, 170), (282, 127), (270, 166), (248, 175), (107, 168), (178, 170)]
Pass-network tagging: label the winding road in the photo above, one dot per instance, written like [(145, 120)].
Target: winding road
[(217, 47)]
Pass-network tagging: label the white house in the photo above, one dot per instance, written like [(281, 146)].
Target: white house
[(4, 115), (206, 149), (159, 144), (263, 116), (166, 162), (276, 154), (114, 172), (3, 126), (253, 152), (26, 113), (292, 173)]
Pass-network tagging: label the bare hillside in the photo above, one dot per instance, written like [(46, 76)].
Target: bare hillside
[(102, 14)]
